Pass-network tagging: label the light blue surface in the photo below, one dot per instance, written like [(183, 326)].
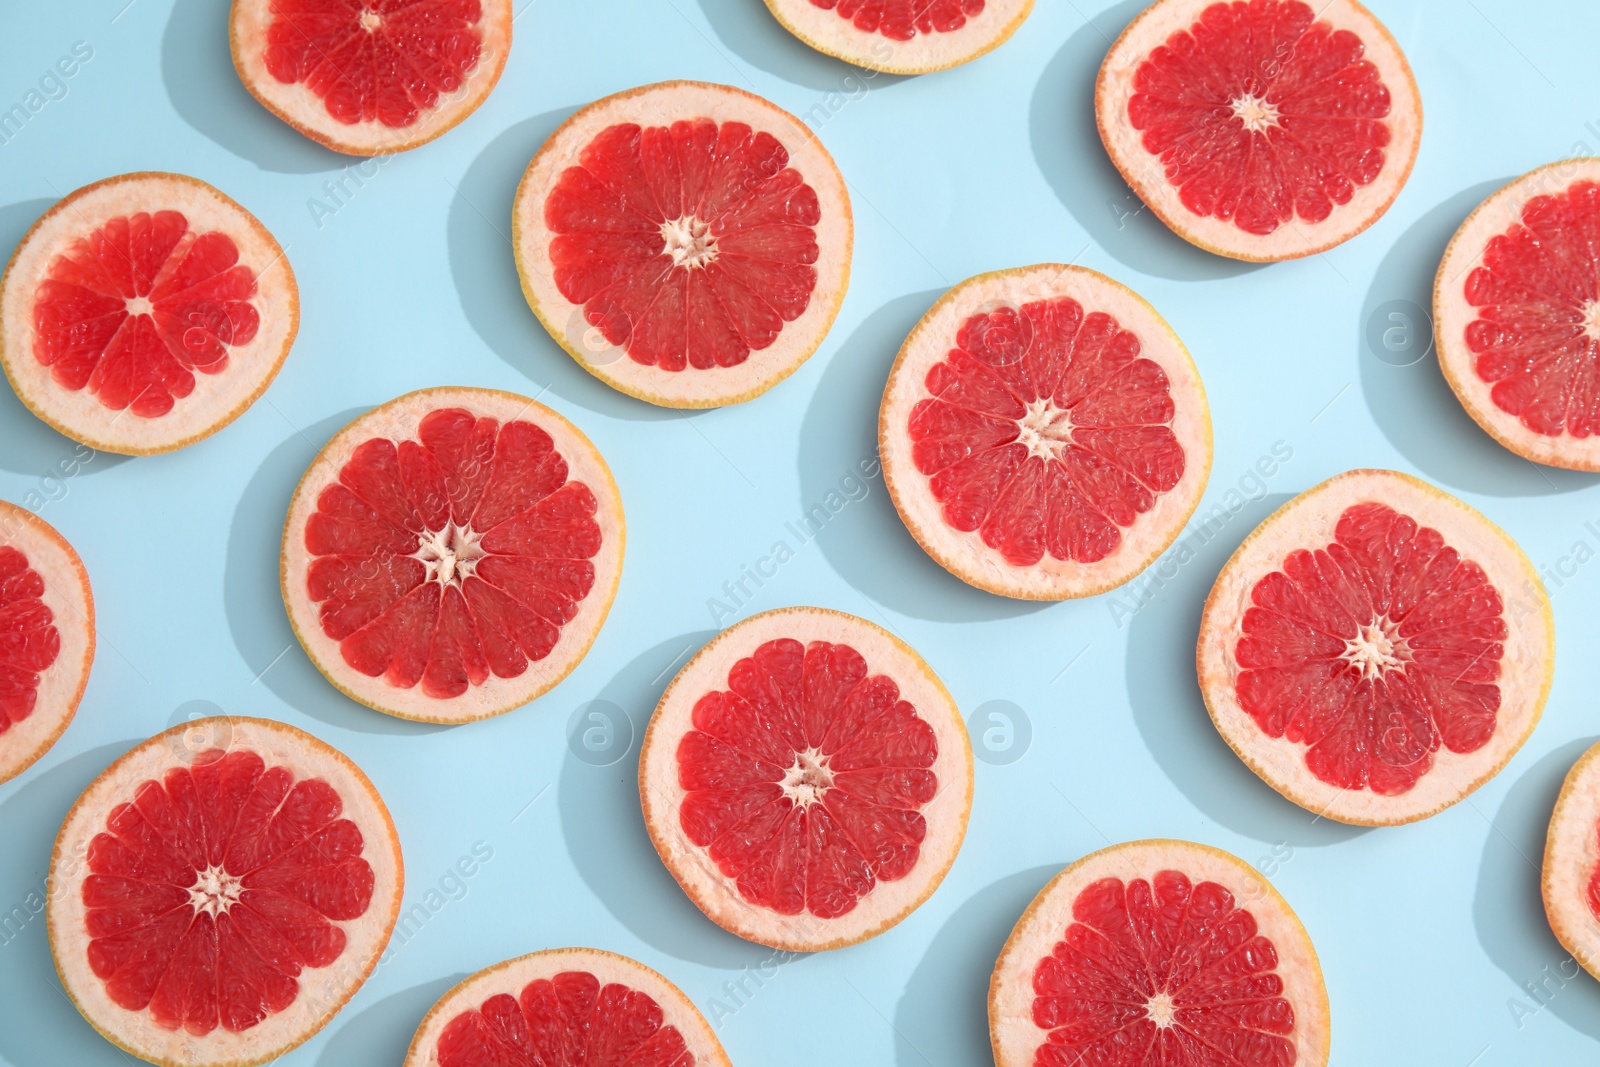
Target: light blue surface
[(1428, 933)]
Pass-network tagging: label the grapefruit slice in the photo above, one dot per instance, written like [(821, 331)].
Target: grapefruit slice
[(452, 554), (903, 36), (370, 77), (46, 637), (806, 779), (145, 312), (686, 243), (1159, 952), (1260, 130), (1376, 650), (1517, 308), (1571, 880), (1044, 433), (565, 1007), (220, 892)]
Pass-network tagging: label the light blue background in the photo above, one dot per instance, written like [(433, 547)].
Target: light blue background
[(1428, 933)]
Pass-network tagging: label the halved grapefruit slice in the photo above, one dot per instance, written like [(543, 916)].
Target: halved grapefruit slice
[(1260, 129), (686, 243), (1517, 312), (370, 77), (145, 312), (452, 554), (565, 1007), (220, 892), (1044, 433), (1571, 879), (1159, 952), (806, 779), (1376, 650), (903, 36), (46, 637)]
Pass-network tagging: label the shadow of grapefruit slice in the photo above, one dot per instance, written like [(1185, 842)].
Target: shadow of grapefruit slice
[(1571, 878), (806, 779), (1158, 952), (1376, 650), (563, 1007), (903, 36), (219, 892)]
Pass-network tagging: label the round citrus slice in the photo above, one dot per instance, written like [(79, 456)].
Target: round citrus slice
[(1571, 881), (806, 779), (1376, 650), (452, 554), (1159, 952), (686, 243), (370, 77), (1517, 308), (1260, 130), (145, 312), (1044, 433), (220, 892), (46, 637), (903, 36), (565, 1007)]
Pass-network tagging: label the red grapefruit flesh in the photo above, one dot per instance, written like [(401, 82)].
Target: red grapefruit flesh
[(1517, 314), (1260, 129), (806, 779), (370, 77), (219, 892), (686, 243), (145, 312), (571, 1007), (1376, 650), (1159, 952), (452, 554), (1571, 879), (46, 637), (1044, 433), (903, 36)]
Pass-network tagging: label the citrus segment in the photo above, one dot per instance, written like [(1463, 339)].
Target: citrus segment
[(1044, 434), (903, 36), (145, 312), (452, 554), (1571, 875), (806, 779)]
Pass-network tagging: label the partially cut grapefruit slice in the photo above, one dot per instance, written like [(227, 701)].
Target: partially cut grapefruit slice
[(1376, 650), (220, 892), (1517, 313), (370, 77), (1159, 952), (686, 243), (1571, 879), (903, 36), (806, 779), (567, 1007), (1044, 433), (145, 312), (46, 637), (1260, 129), (452, 554)]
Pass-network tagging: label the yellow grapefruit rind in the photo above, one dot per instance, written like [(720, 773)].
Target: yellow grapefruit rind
[(1296, 238), (304, 110), (511, 976), (303, 755), (664, 103), (497, 696), (1452, 315), (964, 554), (1571, 854), (70, 600), (824, 30), (1012, 1031), (1308, 522), (75, 414), (713, 892)]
